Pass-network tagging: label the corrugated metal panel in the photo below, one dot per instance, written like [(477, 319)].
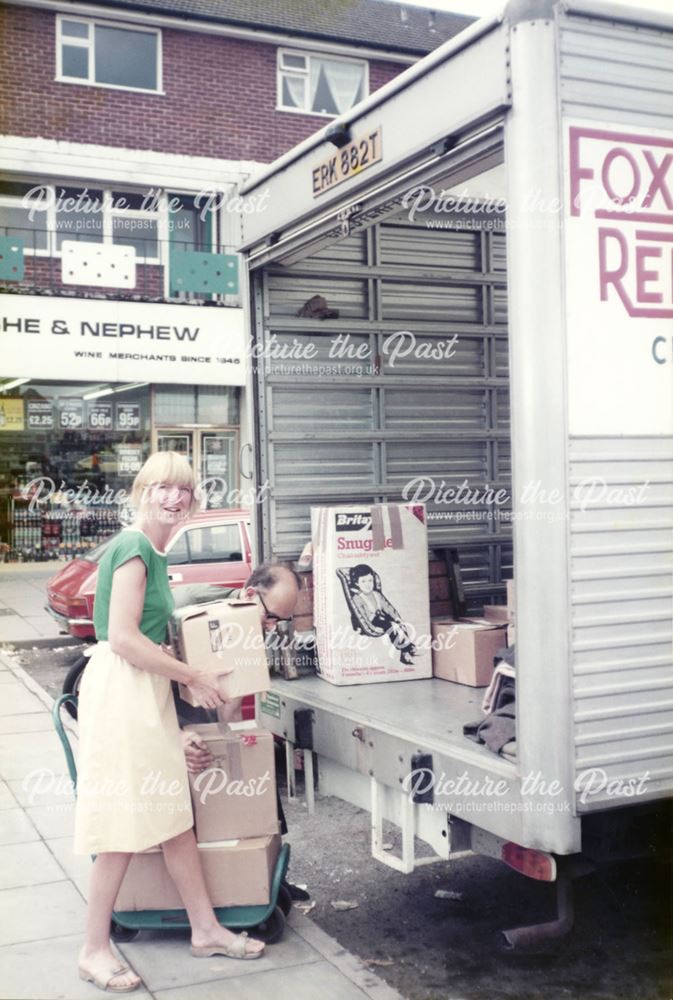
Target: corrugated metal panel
[(443, 356), (412, 301), (609, 71), (621, 536), (339, 424), (296, 411), (404, 244), (287, 295)]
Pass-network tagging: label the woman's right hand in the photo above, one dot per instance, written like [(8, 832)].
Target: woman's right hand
[(204, 689)]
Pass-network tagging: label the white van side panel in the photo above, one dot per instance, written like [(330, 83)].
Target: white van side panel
[(619, 78)]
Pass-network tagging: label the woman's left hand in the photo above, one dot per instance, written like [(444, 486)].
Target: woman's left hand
[(197, 754)]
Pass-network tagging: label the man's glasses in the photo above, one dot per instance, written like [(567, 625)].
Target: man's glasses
[(270, 614)]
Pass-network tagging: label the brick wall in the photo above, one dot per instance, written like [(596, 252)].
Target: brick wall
[(220, 96)]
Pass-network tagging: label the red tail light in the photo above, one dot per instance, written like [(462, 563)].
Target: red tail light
[(78, 607), (534, 864)]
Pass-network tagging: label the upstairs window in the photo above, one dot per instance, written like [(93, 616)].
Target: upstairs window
[(108, 55), (319, 85)]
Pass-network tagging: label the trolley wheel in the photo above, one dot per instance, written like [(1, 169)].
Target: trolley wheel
[(72, 681), (271, 929), (284, 899), (122, 934)]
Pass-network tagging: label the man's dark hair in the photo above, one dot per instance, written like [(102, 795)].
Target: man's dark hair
[(266, 576)]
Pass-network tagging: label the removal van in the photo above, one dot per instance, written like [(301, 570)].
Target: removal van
[(490, 233)]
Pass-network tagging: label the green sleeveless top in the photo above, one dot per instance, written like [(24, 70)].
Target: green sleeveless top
[(129, 543)]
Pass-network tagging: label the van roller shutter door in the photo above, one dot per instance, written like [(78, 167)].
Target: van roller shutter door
[(346, 416)]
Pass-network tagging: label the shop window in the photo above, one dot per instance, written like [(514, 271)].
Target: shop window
[(176, 405), (108, 55), (319, 85), (215, 543), (68, 455)]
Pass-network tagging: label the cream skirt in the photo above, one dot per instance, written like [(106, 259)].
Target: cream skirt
[(132, 788)]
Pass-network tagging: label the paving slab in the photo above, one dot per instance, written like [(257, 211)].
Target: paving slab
[(16, 827), (56, 820), (14, 628), (7, 800), (76, 866), (28, 864), (47, 970), (34, 723), (37, 912), (42, 787), (44, 625), (349, 965), (23, 754), (16, 700), (162, 958), (318, 981)]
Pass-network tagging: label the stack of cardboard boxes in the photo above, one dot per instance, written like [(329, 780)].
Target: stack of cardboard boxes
[(236, 826), (234, 800), (464, 650)]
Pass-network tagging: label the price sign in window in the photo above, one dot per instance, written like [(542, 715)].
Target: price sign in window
[(100, 416), (129, 460), (71, 414), (128, 417), (40, 414)]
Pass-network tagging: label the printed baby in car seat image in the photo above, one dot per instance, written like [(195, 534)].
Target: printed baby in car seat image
[(371, 612)]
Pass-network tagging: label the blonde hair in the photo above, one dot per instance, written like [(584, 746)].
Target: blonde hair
[(165, 467)]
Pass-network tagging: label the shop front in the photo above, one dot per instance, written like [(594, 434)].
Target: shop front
[(71, 446)]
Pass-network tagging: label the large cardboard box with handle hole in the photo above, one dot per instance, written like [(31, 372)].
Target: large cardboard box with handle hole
[(237, 873)]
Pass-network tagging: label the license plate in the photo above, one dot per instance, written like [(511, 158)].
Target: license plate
[(348, 161)]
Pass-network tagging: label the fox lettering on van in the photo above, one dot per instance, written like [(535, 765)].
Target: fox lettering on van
[(625, 182)]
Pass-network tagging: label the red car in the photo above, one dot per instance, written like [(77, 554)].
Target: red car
[(212, 547)]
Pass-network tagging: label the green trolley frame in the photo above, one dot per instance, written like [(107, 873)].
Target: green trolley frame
[(266, 921)]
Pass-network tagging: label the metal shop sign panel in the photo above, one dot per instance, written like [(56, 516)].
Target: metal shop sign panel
[(347, 162), (619, 278), (105, 340)]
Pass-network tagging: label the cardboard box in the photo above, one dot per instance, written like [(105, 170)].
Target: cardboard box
[(498, 613), (237, 873), (226, 638), (236, 796), (371, 595), (463, 651)]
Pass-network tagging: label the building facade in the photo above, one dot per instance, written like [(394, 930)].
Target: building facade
[(126, 130)]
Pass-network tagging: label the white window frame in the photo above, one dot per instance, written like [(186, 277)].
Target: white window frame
[(308, 55), (89, 44), (110, 213), (16, 201)]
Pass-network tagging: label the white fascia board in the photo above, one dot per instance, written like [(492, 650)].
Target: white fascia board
[(83, 161), (268, 37)]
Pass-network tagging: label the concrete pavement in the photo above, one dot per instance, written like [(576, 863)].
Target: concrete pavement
[(43, 885), (23, 595)]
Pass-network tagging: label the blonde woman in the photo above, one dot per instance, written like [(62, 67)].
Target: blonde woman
[(132, 789)]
